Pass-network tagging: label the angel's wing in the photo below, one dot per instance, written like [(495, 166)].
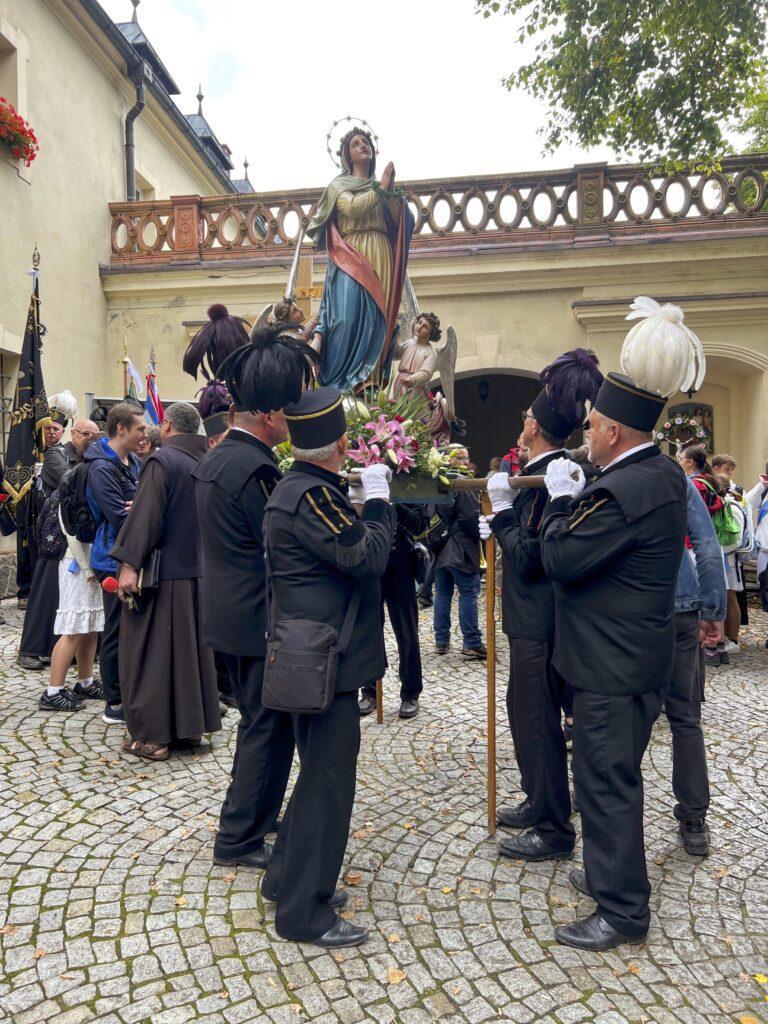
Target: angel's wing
[(447, 354), (263, 318)]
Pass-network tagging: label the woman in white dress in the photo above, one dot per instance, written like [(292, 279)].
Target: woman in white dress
[(79, 620)]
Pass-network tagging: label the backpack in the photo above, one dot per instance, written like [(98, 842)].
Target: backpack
[(436, 533), (75, 511), (51, 542), (726, 523)]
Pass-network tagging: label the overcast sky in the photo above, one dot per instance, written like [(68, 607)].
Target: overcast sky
[(276, 74)]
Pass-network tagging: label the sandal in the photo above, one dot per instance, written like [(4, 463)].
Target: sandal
[(149, 751)]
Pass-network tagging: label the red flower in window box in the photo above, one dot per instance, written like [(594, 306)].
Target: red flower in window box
[(16, 135)]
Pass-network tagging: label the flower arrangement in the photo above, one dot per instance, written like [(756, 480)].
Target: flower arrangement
[(395, 433), (16, 135), (681, 431), (382, 431)]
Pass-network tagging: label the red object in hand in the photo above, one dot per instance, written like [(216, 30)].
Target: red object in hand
[(110, 584), (4, 497)]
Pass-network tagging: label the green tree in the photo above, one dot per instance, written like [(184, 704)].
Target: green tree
[(754, 122), (649, 78)]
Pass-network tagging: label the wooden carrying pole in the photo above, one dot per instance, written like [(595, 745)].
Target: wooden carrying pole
[(490, 669)]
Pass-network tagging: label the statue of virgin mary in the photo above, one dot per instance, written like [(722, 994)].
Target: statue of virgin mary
[(365, 227)]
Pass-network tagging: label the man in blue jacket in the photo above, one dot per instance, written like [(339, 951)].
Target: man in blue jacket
[(700, 602), (112, 478)]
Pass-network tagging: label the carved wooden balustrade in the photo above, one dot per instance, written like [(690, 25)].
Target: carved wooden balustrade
[(584, 204)]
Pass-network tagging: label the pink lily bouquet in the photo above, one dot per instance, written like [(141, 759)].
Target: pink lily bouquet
[(385, 441)]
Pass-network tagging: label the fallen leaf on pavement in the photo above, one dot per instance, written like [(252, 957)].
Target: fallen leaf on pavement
[(407, 824), (446, 889), (476, 891), (181, 901), (353, 878), (40, 953), (395, 976), (633, 969), (230, 877), (747, 1018), (394, 937), (719, 873), (362, 833), (761, 979), (223, 994), (9, 929)]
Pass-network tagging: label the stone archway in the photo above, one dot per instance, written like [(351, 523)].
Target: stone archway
[(491, 401)]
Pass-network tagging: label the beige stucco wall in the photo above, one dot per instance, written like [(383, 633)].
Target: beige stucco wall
[(513, 312), (76, 98)]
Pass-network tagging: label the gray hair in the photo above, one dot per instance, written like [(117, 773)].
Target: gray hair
[(183, 417), (314, 454)]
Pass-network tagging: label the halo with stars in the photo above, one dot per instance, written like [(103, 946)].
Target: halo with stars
[(340, 128)]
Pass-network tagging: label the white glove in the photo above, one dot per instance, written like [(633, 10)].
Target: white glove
[(484, 523), (560, 481), (355, 494), (499, 494), (375, 482)]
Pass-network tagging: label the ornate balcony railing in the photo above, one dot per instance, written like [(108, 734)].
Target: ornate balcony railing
[(586, 203)]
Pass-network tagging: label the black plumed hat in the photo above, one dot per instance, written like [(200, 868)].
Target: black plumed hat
[(270, 372), (213, 405), (217, 339), (570, 381)]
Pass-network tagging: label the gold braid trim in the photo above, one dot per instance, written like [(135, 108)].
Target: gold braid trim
[(588, 512), (335, 508), (321, 515)]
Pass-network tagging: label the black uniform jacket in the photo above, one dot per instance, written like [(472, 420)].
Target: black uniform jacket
[(232, 485), (462, 548), (56, 461), (527, 594), (318, 548), (614, 554)]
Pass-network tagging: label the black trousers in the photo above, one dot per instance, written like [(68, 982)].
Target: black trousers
[(26, 555), (399, 592), (37, 638), (610, 735), (110, 642), (567, 700), (261, 766), (223, 677), (682, 703), (534, 705), (305, 865)]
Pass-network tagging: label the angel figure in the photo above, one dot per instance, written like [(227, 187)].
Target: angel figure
[(291, 316), (420, 361)]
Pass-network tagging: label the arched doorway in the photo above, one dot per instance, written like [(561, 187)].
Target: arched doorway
[(491, 403)]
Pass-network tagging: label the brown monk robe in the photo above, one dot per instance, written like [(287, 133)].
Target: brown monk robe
[(167, 676)]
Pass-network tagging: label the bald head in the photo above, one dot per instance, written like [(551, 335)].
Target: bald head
[(83, 432), (269, 427)]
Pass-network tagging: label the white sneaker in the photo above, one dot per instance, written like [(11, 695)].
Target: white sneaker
[(731, 647)]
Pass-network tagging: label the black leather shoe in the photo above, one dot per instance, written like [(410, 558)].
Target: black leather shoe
[(30, 661), (530, 846), (695, 836), (257, 860), (442, 648), (338, 900), (408, 709), (366, 705), (343, 933), (578, 880), (595, 934), (516, 817)]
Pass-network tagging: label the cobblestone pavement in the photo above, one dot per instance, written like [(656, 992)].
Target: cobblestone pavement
[(111, 910)]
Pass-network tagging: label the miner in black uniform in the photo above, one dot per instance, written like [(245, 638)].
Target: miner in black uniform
[(398, 591), (232, 485), (613, 550), (535, 692), (320, 551)]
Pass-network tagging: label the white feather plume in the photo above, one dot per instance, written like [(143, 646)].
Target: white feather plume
[(64, 403), (660, 353)]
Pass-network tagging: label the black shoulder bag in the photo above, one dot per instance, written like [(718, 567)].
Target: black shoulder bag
[(303, 657)]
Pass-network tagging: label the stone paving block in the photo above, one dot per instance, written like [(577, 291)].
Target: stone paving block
[(114, 913)]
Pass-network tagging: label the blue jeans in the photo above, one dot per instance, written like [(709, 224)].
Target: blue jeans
[(468, 584)]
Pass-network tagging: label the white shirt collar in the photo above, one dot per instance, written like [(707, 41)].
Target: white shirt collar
[(544, 455), (625, 455)]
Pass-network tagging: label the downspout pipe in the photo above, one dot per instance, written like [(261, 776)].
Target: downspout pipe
[(130, 146)]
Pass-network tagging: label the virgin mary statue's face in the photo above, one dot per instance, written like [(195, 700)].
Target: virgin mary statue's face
[(359, 150)]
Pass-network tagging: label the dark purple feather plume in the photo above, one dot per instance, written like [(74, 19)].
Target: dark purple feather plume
[(222, 335), (214, 398), (571, 380)]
